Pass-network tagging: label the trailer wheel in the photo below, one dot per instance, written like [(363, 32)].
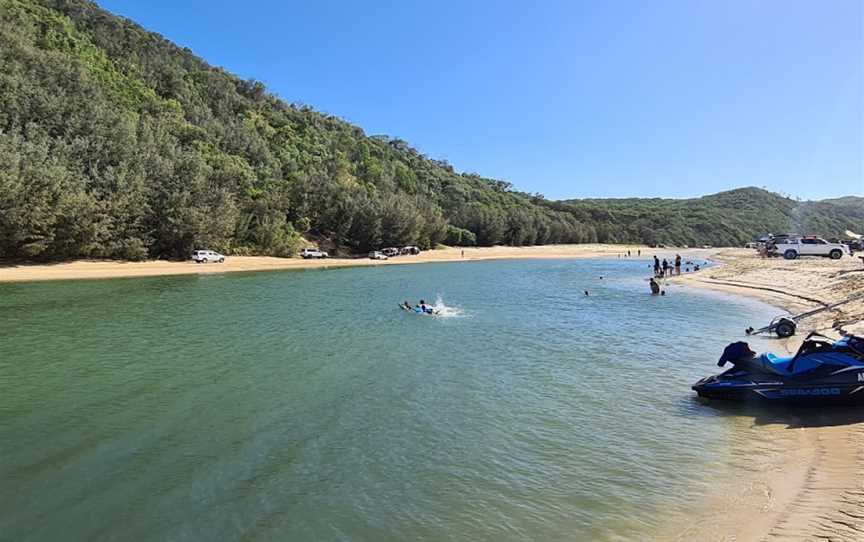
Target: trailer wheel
[(786, 328), (790, 254)]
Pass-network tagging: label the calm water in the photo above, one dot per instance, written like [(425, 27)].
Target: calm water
[(307, 406)]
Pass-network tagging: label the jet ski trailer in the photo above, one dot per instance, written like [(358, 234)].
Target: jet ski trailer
[(821, 372), (785, 326)]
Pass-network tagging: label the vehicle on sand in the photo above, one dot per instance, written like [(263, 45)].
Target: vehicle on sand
[(313, 253), (409, 251), (810, 246), (204, 256)]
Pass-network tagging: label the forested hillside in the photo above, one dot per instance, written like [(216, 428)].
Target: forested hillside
[(728, 218), (116, 143)]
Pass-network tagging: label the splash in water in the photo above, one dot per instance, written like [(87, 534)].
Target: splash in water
[(444, 311)]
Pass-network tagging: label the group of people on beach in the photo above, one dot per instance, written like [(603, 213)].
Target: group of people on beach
[(630, 253), (666, 269)]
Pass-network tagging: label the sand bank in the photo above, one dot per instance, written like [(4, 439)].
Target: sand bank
[(806, 483), (794, 285), (104, 269)]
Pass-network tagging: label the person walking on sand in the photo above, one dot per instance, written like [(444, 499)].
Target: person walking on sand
[(656, 266), (677, 264), (639, 252), (463, 252)]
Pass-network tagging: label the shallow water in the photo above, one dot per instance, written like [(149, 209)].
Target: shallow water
[(307, 406)]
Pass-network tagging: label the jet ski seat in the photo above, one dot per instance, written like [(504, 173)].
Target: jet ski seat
[(772, 363)]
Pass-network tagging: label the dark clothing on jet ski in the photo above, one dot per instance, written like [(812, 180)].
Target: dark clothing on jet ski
[(822, 371)]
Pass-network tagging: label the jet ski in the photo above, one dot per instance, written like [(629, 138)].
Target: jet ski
[(821, 372)]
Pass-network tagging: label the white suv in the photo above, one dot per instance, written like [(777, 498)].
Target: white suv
[(810, 246), (313, 252), (204, 256)]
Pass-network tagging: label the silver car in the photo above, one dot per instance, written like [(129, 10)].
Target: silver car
[(204, 256), (312, 253)]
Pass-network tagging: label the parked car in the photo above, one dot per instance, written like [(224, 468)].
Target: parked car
[(854, 245), (390, 251), (778, 239), (409, 250), (204, 256), (810, 246), (313, 253), (377, 255)]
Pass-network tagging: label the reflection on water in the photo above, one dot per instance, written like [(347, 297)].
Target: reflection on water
[(307, 406)]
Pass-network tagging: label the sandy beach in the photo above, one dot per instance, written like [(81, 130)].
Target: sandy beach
[(104, 269), (806, 485)]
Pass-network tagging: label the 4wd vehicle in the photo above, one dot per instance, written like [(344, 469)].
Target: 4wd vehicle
[(410, 250), (204, 256), (312, 253), (390, 251), (810, 246), (377, 255)]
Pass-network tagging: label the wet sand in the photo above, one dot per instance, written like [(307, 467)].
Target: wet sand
[(804, 480)]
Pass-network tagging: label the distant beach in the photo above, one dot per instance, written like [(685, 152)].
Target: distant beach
[(104, 269)]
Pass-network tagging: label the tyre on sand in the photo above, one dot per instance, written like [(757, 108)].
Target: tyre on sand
[(786, 328)]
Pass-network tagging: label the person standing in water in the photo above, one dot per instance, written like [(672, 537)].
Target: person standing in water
[(677, 264), (665, 267), (655, 286), (656, 266)]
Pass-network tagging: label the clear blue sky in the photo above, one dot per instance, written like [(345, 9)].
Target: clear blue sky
[(586, 98)]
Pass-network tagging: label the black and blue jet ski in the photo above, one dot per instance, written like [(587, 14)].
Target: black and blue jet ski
[(821, 372)]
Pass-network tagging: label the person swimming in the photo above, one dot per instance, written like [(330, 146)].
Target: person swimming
[(423, 308), (407, 306)]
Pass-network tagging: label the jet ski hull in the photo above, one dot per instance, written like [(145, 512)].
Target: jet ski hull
[(747, 388), (821, 372)]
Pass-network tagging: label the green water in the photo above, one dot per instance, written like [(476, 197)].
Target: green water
[(307, 406)]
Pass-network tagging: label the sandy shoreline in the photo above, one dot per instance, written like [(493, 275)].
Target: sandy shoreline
[(809, 486), (105, 269)]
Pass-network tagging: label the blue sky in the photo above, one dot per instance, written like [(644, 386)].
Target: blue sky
[(572, 98)]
